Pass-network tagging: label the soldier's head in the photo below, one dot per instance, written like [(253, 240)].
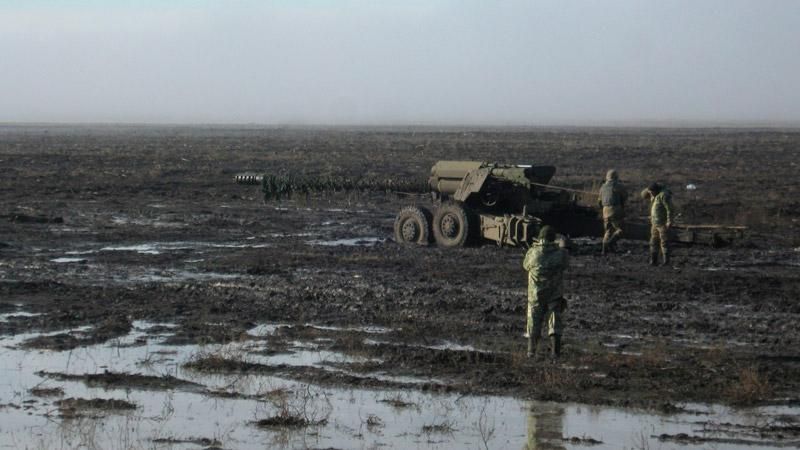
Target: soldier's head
[(547, 234), (611, 175), (654, 188)]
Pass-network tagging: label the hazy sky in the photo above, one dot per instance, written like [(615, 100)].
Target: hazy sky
[(408, 62)]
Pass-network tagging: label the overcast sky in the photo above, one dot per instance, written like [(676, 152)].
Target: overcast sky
[(401, 62)]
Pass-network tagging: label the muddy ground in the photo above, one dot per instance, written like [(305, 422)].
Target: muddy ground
[(103, 226)]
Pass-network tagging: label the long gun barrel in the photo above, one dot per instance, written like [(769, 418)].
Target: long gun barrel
[(279, 186)]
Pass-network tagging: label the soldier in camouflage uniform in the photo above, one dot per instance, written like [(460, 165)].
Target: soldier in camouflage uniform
[(545, 262), (660, 221), (612, 199)]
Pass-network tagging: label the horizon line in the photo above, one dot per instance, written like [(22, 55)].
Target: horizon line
[(666, 124)]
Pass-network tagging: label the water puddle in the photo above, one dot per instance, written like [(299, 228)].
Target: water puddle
[(155, 248), (239, 410), (444, 345), (286, 235), (160, 222), (18, 314), (165, 276), (269, 329), (350, 242), (65, 260)]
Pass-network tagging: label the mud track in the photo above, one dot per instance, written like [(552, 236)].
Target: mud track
[(106, 225)]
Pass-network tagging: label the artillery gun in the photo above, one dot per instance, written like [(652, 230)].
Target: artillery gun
[(473, 200)]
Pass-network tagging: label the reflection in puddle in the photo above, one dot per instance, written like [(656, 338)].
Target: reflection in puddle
[(225, 407)]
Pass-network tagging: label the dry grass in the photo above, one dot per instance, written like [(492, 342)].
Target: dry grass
[(714, 356), (749, 389), (296, 409), (445, 427), (518, 360), (555, 378), (221, 361), (72, 407), (655, 355), (283, 421), (398, 402), (46, 392)]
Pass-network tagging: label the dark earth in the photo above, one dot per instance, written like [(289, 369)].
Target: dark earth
[(717, 325)]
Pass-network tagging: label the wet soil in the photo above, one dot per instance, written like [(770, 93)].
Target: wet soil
[(102, 226), (114, 380), (94, 403)]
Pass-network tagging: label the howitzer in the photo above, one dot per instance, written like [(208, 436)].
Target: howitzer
[(503, 203), (473, 200)]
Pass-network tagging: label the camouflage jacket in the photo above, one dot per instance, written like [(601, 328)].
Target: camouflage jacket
[(661, 208), (545, 263), (612, 193)]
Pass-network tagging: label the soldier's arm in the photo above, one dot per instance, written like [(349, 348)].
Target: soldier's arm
[(667, 201), (623, 195), (530, 260)]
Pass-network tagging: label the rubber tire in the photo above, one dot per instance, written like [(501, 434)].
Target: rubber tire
[(459, 218), (413, 216)]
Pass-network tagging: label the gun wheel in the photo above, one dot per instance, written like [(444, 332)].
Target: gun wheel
[(412, 226), (451, 225)]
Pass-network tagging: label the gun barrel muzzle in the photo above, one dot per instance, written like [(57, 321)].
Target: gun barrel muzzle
[(248, 178)]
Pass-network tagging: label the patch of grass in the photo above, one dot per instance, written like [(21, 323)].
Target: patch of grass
[(205, 442), (374, 421), (655, 355), (555, 378), (445, 427), (398, 402), (221, 361), (296, 409), (276, 396), (518, 360), (70, 405), (714, 356), (750, 388), (46, 392), (283, 421)]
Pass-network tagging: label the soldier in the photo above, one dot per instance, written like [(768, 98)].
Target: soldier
[(612, 199), (545, 263), (660, 221)]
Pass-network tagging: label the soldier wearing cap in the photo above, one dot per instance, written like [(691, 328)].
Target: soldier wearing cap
[(545, 262), (660, 199), (612, 200)]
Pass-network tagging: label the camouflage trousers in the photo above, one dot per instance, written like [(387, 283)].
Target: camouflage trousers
[(658, 239), (613, 230), (539, 311), (613, 219)]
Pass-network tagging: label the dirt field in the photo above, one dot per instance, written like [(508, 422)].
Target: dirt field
[(105, 226)]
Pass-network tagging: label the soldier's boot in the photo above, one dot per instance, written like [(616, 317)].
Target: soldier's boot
[(653, 257), (605, 249), (533, 344), (555, 346), (664, 257)]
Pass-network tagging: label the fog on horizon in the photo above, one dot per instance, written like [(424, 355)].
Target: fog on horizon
[(344, 62)]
